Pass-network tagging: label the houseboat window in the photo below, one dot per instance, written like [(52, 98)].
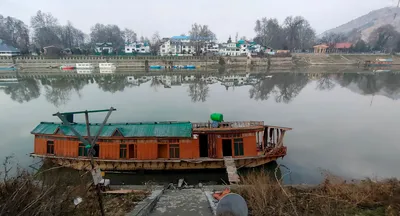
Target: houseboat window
[(50, 147), (122, 151), (132, 151), (97, 150), (174, 151), (238, 147), (82, 151)]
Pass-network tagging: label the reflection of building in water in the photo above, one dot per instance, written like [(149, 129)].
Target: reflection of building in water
[(137, 80), (84, 71), (6, 82), (107, 68), (209, 79), (234, 80)]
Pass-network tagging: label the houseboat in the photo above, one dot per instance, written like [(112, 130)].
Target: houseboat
[(84, 66), (162, 145)]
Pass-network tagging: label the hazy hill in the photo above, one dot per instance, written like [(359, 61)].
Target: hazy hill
[(371, 21)]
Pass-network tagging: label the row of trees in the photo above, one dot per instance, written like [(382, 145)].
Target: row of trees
[(295, 33)]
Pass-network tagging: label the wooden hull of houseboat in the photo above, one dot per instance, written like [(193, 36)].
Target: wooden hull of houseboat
[(165, 164)]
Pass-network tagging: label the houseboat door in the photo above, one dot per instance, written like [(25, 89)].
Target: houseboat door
[(227, 147), (203, 145)]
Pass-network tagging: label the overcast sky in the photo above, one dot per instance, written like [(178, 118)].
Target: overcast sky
[(174, 17)]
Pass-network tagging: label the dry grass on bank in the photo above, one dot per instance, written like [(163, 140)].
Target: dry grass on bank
[(266, 196), (52, 193)]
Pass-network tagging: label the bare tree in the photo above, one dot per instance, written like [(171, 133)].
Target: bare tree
[(14, 32), (155, 43), (384, 38), (101, 33), (46, 30), (71, 36), (199, 35), (130, 36), (298, 33), (269, 33)]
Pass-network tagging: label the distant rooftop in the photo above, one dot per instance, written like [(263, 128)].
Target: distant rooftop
[(7, 48)]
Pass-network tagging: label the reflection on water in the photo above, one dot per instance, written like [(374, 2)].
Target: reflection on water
[(282, 88), (343, 122)]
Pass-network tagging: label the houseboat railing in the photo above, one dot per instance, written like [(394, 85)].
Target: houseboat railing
[(231, 124)]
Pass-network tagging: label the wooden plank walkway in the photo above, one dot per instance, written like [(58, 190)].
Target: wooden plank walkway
[(231, 169)]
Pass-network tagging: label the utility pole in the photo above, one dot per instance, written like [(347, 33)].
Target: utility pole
[(67, 119)]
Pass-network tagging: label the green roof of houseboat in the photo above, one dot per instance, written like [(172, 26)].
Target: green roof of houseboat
[(141, 129)]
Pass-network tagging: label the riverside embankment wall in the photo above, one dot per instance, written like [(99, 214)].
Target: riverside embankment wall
[(142, 61)]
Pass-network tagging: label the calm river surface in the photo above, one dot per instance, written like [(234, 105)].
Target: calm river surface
[(345, 123)]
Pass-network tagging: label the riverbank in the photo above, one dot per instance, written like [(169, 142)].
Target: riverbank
[(200, 62), (334, 196)]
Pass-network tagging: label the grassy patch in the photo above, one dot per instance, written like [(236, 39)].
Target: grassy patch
[(266, 196)]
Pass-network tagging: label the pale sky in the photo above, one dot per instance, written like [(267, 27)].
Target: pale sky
[(174, 17)]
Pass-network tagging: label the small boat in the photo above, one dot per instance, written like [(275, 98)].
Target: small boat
[(107, 65), (67, 67), (156, 67), (84, 66), (379, 63), (8, 68)]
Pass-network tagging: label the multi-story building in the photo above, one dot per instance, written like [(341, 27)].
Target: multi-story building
[(184, 45), (137, 47)]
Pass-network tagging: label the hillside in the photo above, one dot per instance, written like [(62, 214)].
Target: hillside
[(371, 21)]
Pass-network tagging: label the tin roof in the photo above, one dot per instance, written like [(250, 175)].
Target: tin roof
[(6, 48), (145, 129)]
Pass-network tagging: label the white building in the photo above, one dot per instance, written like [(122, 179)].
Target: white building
[(183, 45), (100, 47), (137, 47), (173, 47)]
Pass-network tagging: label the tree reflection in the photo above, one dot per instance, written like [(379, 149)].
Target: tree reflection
[(262, 90), (283, 86), (198, 91), (25, 90), (289, 86), (58, 90), (326, 82), (112, 83)]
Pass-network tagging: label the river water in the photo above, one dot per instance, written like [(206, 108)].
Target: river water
[(346, 124)]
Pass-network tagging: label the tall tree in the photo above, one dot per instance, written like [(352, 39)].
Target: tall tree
[(71, 36), (155, 43), (14, 32), (46, 30), (268, 33), (200, 35), (384, 38), (298, 33), (129, 36), (107, 33)]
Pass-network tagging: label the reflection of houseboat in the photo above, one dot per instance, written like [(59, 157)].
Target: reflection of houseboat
[(379, 63), (84, 71), (163, 145), (84, 65), (107, 70), (110, 66)]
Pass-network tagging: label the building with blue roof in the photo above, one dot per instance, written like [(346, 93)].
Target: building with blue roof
[(8, 50)]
